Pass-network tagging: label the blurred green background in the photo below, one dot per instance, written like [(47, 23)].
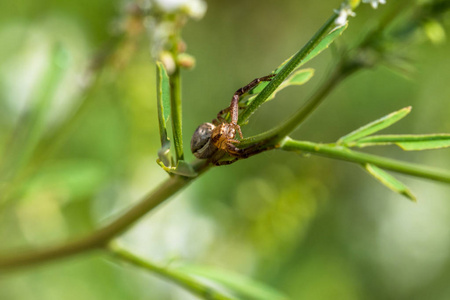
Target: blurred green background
[(311, 227)]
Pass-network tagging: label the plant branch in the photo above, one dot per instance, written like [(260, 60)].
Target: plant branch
[(290, 66), (175, 101), (183, 280), (102, 236), (272, 137), (343, 153), (176, 107)]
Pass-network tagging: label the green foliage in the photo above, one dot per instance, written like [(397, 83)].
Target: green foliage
[(78, 172), (389, 181), (165, 159), (408, 142), (244, 287), (299, 77), (323, 38), (374, 126), (163, 101)]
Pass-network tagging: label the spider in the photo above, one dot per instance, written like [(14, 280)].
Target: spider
[(214, 140)]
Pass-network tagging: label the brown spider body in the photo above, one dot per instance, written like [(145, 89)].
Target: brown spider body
[(214, 140), (223, 136)]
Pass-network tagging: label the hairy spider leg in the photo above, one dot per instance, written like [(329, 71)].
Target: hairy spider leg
[(234, 106), (240, 153)]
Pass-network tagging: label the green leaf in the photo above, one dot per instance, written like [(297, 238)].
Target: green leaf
[(389, 181), (324, 44), (163, 101), (298, 78), (375, 126), (320, 41), (244, 286), (407, 142), (184, 169)]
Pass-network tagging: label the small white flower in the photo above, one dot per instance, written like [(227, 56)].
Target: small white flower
[(194, 8), (374, 3), (344, 12)]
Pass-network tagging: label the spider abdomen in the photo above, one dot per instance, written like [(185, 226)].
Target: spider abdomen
[(201, 143)]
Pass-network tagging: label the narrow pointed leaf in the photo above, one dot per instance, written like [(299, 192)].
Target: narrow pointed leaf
[(163, 101), (375, 126), (241, 285), (419, 146), (407, 142), (324, 44), (298, 78), (320, 41), (390, 181)]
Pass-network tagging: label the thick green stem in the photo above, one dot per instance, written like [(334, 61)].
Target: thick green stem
[(346, 154), (102, 236), (181, 279), (176, 108)]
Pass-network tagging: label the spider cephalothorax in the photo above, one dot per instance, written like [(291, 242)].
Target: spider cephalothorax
[(223, 135), (214, 140)]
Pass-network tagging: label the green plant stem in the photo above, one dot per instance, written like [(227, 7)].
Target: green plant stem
[(272, 138), (102, 236), (176, 107), (185, 281), (342, 153), (290, 66), (176, 111)]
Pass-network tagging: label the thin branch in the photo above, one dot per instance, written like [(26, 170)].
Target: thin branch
[(181, 279), (176, 107), (102, 236), (342, 153)]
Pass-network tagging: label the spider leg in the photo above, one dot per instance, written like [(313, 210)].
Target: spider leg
[(234, 151), (226, 162), (248, 151), (238, 129), (220, 115), (239, 153), (234, 106)]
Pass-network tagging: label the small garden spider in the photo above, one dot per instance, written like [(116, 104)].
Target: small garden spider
[(213, 140)]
